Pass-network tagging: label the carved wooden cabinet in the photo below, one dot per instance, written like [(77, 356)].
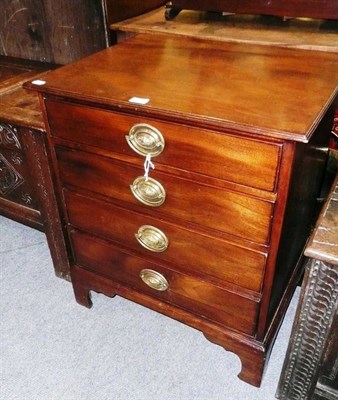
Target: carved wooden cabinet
[(311, 364), (18, 196), (324, 9), (26, 189), (188, 188)]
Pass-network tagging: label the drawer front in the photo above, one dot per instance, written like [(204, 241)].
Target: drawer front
[(238, 160), (161, 240), (182, 290), (185, 200)]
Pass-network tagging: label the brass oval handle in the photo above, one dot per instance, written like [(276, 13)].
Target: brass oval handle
[(152, 238), (154, 279), (145, 139), (148, 191)]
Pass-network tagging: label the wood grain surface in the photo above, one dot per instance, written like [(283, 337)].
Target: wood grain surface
[(282, 8), (256, 90), (238, 160), (187, 248), (49, 31), (320, 35)]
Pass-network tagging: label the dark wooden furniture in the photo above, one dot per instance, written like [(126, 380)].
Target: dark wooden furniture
[(118, 10), (213, 235), (26, 189), (56, 32), (18, 198), (325, 9), (63, 31), (311, 364), (302, 33)]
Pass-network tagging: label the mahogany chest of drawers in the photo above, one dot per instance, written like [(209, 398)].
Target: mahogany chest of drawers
[(187, 174)]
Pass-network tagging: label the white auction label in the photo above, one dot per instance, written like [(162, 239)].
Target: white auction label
[(139, 100), (39, 82)]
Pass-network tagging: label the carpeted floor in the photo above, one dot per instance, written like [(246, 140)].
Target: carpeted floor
[(54, 349)]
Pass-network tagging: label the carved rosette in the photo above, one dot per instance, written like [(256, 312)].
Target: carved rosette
[(317, 311), (8, 135), (10, 178), (26, 198), (17, 160)]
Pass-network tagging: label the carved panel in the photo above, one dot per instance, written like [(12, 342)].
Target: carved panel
[(8, 136), (10, 178), (328, 379), (318, 308), (16, 159)]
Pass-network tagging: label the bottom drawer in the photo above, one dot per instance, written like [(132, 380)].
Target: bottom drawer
[(197, 296)]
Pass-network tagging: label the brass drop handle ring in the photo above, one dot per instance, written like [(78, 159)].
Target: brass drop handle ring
[(148, 191), (152, 238), (145, 139), (154, 279)]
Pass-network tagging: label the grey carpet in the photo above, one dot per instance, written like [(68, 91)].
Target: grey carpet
[(54, 349)]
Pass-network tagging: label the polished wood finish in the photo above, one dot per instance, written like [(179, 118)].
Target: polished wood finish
[(189, 249), (208, 100), (195, 295), (311, 367), (261, 216), (58, 32), (307, 34), (247, 162), (26, 188), (283, 8), (111, 179)]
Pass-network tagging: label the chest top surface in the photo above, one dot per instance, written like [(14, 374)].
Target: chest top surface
[(261, 90)]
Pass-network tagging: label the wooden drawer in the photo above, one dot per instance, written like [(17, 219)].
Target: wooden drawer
[(248, 162), (201, 254), (209, 206), (189, 293)]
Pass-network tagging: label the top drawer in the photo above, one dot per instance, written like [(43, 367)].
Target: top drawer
[(244, 161)]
